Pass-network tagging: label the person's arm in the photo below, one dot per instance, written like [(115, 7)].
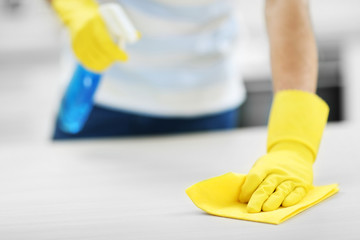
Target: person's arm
[(293, 48), (283, 176)]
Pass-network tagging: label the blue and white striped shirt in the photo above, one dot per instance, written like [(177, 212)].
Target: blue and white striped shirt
[(185, 64)]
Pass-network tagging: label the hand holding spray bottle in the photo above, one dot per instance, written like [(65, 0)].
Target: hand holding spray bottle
[(94, 30)]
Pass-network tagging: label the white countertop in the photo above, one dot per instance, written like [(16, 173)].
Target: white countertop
[(135, 188)]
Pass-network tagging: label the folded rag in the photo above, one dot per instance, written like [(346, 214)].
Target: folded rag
[(219, 196)]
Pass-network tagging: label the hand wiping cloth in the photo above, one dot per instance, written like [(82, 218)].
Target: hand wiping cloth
[(219, 196), (280, 183)]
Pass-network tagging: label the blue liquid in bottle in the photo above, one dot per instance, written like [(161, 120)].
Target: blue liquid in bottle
[(77, 101)]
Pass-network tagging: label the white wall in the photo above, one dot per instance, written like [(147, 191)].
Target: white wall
[(30, 28)]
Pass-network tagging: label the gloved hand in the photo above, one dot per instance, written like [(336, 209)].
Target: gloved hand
[(91, 41), (284, 175)]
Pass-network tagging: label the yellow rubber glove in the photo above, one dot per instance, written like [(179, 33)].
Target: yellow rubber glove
[(284, 175), (91, 41)]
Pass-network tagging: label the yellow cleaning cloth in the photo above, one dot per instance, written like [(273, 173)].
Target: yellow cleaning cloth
[(219, 196)]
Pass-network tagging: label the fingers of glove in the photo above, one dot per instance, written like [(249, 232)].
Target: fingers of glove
[(90, 56), (262, 193), (99, 61), (294, 197), (252, 181), (109, 49), (119, 55), (103, 39), (276, 199)]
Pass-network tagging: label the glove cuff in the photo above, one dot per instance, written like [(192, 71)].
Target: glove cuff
[(297, 116)]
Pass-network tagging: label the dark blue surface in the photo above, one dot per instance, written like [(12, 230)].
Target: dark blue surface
[(103, 122)]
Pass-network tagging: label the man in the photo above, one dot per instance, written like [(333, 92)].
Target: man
[(183, 76)]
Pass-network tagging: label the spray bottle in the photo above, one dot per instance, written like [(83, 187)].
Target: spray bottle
[(77, 101)]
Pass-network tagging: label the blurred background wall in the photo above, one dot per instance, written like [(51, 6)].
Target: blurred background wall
[(29, 55), (29, 50)]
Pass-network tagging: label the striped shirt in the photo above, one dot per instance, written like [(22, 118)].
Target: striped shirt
[(186, 63)]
